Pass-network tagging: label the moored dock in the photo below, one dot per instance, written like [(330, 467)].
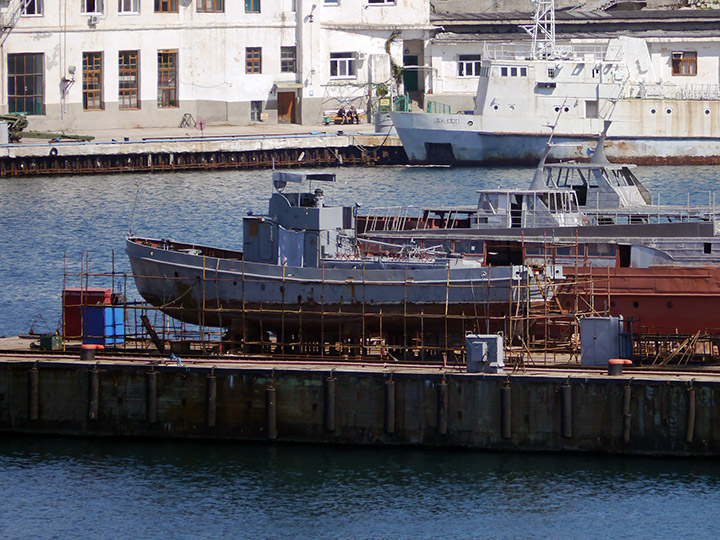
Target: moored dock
[(232, 147), (532, 407)]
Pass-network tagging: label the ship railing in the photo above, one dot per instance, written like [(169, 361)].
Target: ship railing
[(519, 51), (436, 107), (390, 218), (656, 213)]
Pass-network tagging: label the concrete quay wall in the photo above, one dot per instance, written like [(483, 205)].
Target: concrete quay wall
[(173, 152), (657, 415)]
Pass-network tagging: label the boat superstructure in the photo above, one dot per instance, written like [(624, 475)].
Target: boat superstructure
[(659, 264), (302, 271), (526, 90)]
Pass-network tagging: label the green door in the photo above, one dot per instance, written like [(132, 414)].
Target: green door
[(410, 76)]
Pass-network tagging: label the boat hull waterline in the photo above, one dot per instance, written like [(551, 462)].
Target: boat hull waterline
[(454, 140)]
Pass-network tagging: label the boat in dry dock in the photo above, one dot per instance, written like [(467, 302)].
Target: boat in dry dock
[(303, 270), (654, 263), (526, 87)]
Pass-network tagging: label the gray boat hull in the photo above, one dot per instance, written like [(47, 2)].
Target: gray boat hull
[(226, 291)]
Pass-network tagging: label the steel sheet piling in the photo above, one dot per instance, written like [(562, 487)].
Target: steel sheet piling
[(506, 412), (33, 393), (271, 412), (330, 403), (94, 394), (626, 416), (690, 433), (566, 410), (390, 406), (442, 407), (151, 396), (211, 400)]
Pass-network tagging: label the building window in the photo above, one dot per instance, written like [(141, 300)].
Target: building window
[(32, 7), (92, 6), (26, 83), (381, 2), (128, 6), (92, 81), (128, 82), (332, 2), (252, 6), (255, 111), (210, 6), (288, 60), (167, 79), (469, 65), (166, 6), (253, 60), (342, 65), (684, 63)]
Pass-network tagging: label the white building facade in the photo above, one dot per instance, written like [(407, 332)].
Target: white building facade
[(77, 64)]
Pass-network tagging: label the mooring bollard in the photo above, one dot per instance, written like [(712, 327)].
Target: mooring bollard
[(615, 366), (87, 351)]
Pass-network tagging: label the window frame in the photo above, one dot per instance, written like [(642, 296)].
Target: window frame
[(215, 6), (134, 7), (381, 2), (465, 60), (92, 81), (679, 60), (253, 65), (252, 6), (37, 5), (287, 64), (129, 93), (166, 6), (167, 94), (92, 7), (349, 60), (16, 78)]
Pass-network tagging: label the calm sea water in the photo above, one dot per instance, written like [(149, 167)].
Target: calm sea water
[(68, 488), (47, 223), (86, 489)]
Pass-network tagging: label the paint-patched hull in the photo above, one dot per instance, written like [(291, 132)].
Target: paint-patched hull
[(390, 295), (662, 299)]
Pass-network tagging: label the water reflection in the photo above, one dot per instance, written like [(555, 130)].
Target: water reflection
[(203, 490)]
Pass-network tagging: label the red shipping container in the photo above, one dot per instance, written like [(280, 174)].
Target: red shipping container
[(74, 298)]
